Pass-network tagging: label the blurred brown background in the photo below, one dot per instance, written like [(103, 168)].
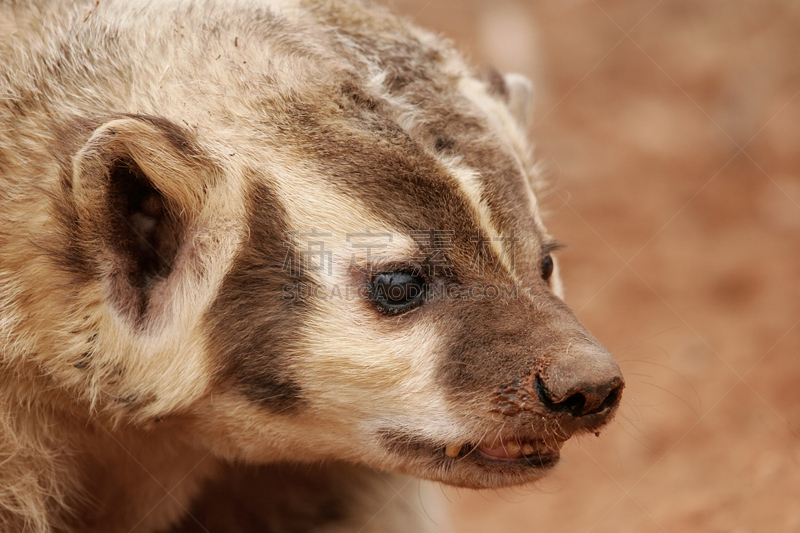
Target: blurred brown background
[(670, 132)]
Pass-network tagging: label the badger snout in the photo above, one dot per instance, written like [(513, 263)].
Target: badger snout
[(579, 388), (586, 382)]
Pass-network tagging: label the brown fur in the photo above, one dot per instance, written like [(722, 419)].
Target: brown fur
[(166, 171)]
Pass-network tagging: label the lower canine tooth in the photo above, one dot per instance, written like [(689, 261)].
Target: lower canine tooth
[(527, 449), (452, 450)]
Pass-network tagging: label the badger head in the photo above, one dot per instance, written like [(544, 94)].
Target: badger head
[(323, 244)]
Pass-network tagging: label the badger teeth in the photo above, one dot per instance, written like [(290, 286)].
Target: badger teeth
[(452, 450), (527, 449), (513, 447)]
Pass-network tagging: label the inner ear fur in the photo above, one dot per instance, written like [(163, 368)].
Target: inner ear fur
[(138, 184)]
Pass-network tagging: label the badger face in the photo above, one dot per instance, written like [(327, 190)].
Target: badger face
[(335, 253), (395, 305)]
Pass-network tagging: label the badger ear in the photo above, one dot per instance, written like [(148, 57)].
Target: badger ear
[(137, 184), (520, 97)]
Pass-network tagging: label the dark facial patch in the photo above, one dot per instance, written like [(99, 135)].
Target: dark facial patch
[(252, 324)]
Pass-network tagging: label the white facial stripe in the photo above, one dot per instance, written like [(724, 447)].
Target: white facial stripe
[(470, 183)]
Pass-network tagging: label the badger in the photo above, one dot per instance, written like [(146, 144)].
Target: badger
[(265, 262)]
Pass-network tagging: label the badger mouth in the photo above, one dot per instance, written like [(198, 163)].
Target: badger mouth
[(534, 452), (490, 463)]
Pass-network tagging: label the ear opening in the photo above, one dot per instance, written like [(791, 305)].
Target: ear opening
[(143, 228), (136, 192)]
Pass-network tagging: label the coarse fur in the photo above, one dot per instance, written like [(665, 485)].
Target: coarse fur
[(174, 354)]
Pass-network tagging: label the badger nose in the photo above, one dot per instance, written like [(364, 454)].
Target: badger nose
[(584, 381)]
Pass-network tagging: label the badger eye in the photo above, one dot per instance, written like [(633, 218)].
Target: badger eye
[(547, 267), (397, 292)]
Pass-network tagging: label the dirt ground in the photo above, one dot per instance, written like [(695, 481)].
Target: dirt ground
[(670, 131)]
